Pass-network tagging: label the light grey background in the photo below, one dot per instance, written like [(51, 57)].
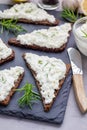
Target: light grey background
[(73, 120)]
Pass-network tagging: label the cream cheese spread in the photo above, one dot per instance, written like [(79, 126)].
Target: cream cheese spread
[(54, 37), (82, 30), (28, 11), (80, 34), (49, 71), (7, 79), (4, 50)]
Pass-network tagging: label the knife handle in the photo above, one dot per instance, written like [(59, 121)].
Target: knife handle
[(80, 92)]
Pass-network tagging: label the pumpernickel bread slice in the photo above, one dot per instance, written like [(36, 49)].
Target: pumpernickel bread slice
[(29, 13), (49, 75), (10, 79), (53, 39), (6, 53)]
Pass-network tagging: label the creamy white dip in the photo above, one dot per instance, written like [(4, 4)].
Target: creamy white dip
[(49, 72), (7, 79), (80, 35), (4, 50), (28, 11), (54, 37), (81, 30)]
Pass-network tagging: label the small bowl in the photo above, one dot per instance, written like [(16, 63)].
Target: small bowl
[(81, 41)]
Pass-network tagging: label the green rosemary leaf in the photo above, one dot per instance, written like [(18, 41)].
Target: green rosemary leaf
[(69, 14), (11, 26), (30, 97)]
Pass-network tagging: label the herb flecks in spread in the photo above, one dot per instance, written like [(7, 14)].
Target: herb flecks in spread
[(49, 71), (8, 77), (11, 26), (4, 50), (29, 96), (54, 37), (29, 11)]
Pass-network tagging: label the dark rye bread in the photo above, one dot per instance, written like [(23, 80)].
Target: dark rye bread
[(15, 42), (43, 22), (47, 107), (9, 58), (8, 98)]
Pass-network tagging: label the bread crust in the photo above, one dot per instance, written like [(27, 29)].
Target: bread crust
[(14, 42), (47, 107), (43, 22), (16, 84), (9, 58)]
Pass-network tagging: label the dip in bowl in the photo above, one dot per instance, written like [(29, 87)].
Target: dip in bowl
[(80, 34)]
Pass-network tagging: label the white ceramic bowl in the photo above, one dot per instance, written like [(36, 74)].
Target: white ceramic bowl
[(81, 41)]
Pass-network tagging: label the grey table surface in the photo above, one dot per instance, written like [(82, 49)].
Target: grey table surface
[(73, 118)]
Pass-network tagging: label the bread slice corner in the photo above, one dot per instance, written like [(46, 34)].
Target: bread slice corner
[(47, 107), (4, 50), (6, 101), (55, 40), (9, 58)]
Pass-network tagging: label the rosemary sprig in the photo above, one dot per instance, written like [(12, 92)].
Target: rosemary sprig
[(11, 26), (29, 96), (70, 15)]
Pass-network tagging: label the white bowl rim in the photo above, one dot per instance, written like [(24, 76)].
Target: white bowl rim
[(74, 27)]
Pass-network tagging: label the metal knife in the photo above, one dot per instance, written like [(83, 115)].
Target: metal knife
[(76, 64)]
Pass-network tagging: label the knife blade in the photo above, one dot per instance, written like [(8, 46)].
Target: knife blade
[(76, 64)]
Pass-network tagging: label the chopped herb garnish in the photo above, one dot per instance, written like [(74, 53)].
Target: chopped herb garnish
[(29, 96), (53, 35), (15, 10), (52, 64), (29, 11), (40, 33), (3, 80), (40, 62), (49, 69), (46, 64), (85, 34), (47, 75)]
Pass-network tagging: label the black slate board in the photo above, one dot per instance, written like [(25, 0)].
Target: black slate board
[(56, 114)]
